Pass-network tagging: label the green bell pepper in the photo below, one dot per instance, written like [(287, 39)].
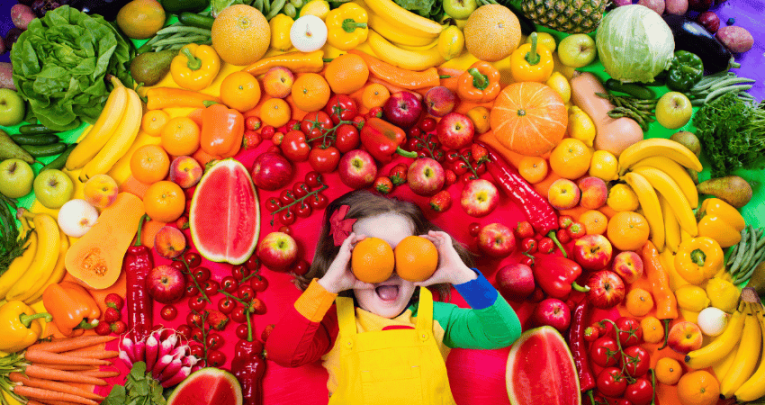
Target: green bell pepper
[(686, 70)]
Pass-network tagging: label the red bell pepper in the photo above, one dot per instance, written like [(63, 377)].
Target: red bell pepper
[(557, 275), (222, 131), (382, 139)]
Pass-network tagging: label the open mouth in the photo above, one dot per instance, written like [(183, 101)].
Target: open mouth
[(387, 292)]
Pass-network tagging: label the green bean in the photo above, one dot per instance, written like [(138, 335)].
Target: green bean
[(719, 92), (182, 40), (741, 249), (752, 248), (732, 255), (276, 7), (266, 6), (259, 5), (746, 276), (184, 29), (761, 243), (731, 81)]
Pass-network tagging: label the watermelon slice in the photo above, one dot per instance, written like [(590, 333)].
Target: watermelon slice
[(207, 386), (225, 214), (541, 371)]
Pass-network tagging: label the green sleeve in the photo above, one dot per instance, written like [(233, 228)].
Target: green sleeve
[(493, 327)]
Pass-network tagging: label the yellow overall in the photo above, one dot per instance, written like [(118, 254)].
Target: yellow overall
[(390, 367)]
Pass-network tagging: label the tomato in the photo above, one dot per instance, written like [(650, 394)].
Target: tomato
[(318, 201), (529, 261), (466, 177), (286, 217), (242, 332), (295, 147), (201, 274), (630, 332), (240, 272), (197, 351), (459, 167), (258, 283), (640, 392), (184, 330), (215, 358), (428, 124), (324, 160), (211, 287), (453, 157), (638, 361), (273, 204), (197, 335), (214, 341), (191, 290), (301, 268), (604, 352), (303, 210), (193, 259), (239, 314), (414, 132), (300, 190), (529, 245), (252, 262), (317, 120), (229, 284), (341, 107), (286, 197), (226, 305), (474, 229), (313, 179), (480, 168), (169, 312), (611, 382), (346, 138), (245, 293), (197, 303), (194, 319)]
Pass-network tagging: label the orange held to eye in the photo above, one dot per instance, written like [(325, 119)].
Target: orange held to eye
[(372, 260), (416, 258)]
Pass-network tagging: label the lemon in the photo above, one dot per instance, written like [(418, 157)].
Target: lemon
[(580, 125), (559, 83), (723, 294), (692, 298), (604, 165), (544, 39), (622, 198), (280, 32), (319, 8)]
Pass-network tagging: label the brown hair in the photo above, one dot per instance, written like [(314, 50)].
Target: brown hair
[(365, 204)]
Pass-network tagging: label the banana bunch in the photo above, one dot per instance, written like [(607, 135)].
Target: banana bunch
[(655, 170), (111, 136)]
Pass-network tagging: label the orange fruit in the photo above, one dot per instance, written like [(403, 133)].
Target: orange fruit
[(492, 32), (310, 92), (180, 136), (240, 91), (164, 201), (698, 388), (416, 258), (153, 122), (639, 302), (653, 331), (570, 159), (347, 73), (275, 112), (480, 117), (372, 260), (374, 95), (628, 230), (533, 169), (668, 370), (594, 221), (241, 35), (149, 164), (141, 19)]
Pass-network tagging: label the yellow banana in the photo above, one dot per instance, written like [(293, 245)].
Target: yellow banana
[(649, 202), (18, 266), (100, 132), (722, 367), (677, 173), (393, 34), (720, 347), (401, 57), (404, 19), (658, 147), (45, 259), (451, 42), (754, 387), (58, 272), (746, 358), (671, 191), (422, 48), (671, 227), (119, 142)]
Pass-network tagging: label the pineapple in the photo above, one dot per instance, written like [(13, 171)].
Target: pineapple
[(570, 16)]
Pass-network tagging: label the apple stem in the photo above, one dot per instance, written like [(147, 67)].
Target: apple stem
[(533, 57), (555, 240)]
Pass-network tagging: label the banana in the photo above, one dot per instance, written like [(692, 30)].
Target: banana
[(44, 261), (671, 191), (393, 34), (401, 57), (754, 387), (19, 266), (100, 132), (58, 272), (119, 142), (451, 42), (718, 349), (422, 48), (403, 19), (658, 147), (722, 367), (677, 173), (649, 202), (746, 358), (671, 227)]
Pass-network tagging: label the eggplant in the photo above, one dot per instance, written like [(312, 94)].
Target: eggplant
[(107, 8), (692, 37)]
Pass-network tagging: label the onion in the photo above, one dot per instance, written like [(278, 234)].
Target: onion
[(712, 321)]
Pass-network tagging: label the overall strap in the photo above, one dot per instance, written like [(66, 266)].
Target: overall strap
[(425, 311), (346, 316)]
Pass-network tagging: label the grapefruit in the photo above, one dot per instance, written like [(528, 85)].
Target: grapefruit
[(241, 35), (205, 386), (492, 32)]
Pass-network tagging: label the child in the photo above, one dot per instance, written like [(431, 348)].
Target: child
[(386, 343)]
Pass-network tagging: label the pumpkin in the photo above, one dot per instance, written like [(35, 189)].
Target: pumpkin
[(529, 118), (96, 258)]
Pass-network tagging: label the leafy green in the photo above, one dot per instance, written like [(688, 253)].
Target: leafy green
[(432, 9), (11, 244), (60, 63), (140, 389)]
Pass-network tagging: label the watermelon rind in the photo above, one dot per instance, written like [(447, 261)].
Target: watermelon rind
[(511, 358), (199, 240), (205, 372)]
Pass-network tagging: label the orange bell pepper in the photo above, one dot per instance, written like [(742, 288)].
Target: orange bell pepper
[(222, 131), (71, 306), (480, 83)]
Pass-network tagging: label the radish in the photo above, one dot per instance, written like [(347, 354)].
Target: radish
[(152, 347), (173, 368), (163, 362), (190, 361), (126, 359), (177, 378), (127, 347), (140, 350), (167, 345)]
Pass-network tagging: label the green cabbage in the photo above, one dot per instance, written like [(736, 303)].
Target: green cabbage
[(634, 44)]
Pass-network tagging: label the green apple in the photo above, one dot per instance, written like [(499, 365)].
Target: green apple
[(11, 108), (673, 110), (53, 188), (459, 9), (577, 50), (16, 178)]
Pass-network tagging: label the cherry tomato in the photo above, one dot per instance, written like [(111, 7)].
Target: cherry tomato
[(452, 157), (169, 312), (529, 245), (259, 306), (630, 332), (358, 122), (341, 107), (193, 259), (184, 330), (286, 197), (480, 168), (197, 351), (239, 314), (300, 190), (459, 167), (259, 283), (191, 290), (301, 267), (273, 204), (324, 160), (226, 305), (197, 335), (178, 265), (295, 147), (229, 284), (620, 401), (638, 361), (214, 341), (527, 260), (215, 358), (253, 123), (318, 201), (197, 303), (194, 319), (267, 132), (285, 229), (303, 210), (639, 392), (252, 263), (346, 138), (242, 331), (240, 272), (611, 382), (414, 132), (412, 145), (201, 274), (428, 124), (474, 229), (546, 245), (245, 293), (286, 217), (467, 177), (316, 120), (211, 287), (605, 352)]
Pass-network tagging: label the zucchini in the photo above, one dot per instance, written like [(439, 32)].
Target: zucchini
[(45, 139), (45, 150)]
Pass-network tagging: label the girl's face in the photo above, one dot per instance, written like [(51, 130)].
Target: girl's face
[(389, 298)]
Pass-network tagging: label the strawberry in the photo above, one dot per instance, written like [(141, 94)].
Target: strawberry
[(397, 174), (383, 185), (441, 201), (217, 320), (563, 236), (277, 139), (111, 315), (524, 230), (449, 178), (565, 221), (114, 301), (478, 153), (103, 329), (576, 230), (118, 327), (266, 332), (253, 123), (250, 140), (267, 132)]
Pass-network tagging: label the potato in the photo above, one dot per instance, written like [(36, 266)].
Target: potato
[(677, 7), (22, 15), (736, 39), (6, 76), (655, 5)]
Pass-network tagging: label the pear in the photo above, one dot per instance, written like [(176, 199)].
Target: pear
[(732, 189), (9, 149), (150, 68)]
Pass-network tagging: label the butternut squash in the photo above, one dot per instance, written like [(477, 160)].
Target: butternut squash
[(96, 258)]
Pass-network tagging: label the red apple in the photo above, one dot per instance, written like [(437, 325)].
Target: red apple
[(496, 240), (606, 289), (553, 312), (593, 252), (166, 284), (402, 109), (277, 251), (425, 177), (455, 131), (479, 198), (271, 171), (629, 266), (515, 281), (685, 337), (357, 169), (440, 101)]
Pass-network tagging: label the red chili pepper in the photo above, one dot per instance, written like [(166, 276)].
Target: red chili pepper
[(137, 264), (557, 275), (382, 139), (578, 350), (250, 373)]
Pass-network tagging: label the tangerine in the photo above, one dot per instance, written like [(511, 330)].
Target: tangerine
[(180, 136), (347, 73), (240, 91), (570, 159), (372, 260), (533, 169), (149, 164), (594, 221), (310, 92), (153, 122), (374, 95), (668, 370), (165, 201), (653, 330), (275, 112), (639, 302), (698, 388), (240, 34), (628, 230), (416, 258)]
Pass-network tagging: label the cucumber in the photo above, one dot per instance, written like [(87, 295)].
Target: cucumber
[(45, 139), (35, 130), (177, 6), (45, 150), (631, 89), (59, 162), (196, 20)]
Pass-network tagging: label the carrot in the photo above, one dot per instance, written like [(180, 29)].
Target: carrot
[(397, 76), (391, 87), (53, 386), (38, 356), (69, 344), (168, 97), (46, 395), (45, 373), (99, 373), (93, 354), (451, 82), (67, 367), (33, 402)]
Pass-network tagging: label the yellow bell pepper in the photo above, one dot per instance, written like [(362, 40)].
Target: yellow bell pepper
[(699, 259), (531, 63), (195, 67), (721, 222), (19, 326), (347, 26)]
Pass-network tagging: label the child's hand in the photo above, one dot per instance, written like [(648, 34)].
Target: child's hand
[(451, 269), (339, 276)]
